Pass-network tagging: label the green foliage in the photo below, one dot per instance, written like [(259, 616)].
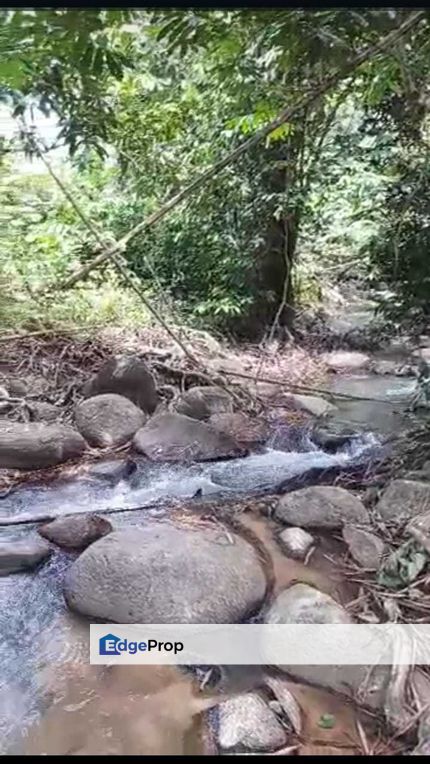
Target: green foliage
[(41, 239), (161, 95), (403, 566), (63, 60)]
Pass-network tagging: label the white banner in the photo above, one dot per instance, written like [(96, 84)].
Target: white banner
[(257, 644)]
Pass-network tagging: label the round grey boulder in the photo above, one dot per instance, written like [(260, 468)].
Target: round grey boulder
[(108, 420), (295, 542), (202, 402), (174, 437), (167, 574), (75, 532), (320, 506), (35, 445), (127, 376), (245, 430)]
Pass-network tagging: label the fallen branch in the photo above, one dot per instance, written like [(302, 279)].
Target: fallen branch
[(305, 389), (199, 506), (305, 102)]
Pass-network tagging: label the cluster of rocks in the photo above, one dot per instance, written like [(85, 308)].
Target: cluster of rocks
[(200, 572), (121, 405), (203, 573)]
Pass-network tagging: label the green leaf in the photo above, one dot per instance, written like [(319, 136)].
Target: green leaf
[(327, 721)]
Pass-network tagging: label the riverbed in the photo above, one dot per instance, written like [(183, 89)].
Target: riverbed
[(40, 637)]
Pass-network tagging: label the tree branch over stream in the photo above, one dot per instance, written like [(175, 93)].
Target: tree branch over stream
[(308, 100)]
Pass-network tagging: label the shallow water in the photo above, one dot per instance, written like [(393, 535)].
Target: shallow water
[(385, 414), (36, 629)]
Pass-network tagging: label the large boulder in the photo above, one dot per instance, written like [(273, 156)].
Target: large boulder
[(174, 437), (22, 555), (404, 499), (305, 604), (246, 723), (76, 532), (35, 445), (167, 574), (127, 376), (202, 402), (108, 420), (320, 506), (246, 431)]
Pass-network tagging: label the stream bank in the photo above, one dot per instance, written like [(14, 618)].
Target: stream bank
[(158, 494)]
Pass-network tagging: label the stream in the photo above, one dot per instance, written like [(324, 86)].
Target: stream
[(34, 624)]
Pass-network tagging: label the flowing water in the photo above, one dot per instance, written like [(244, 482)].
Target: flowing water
[(36, 629), (40, 639), (384, 404)]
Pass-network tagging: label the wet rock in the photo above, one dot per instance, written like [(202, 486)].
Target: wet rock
[(366, 548), (113, 471), (320, 507), (22, 555), (108, 420), (202, 402), (296, 542), (343, 360), (174, 437), (43, 412), (302, 603), (167, 574), (76, 532), (313, 404), (36, 445), (242, 428), (331, 437), (247, 723), (127, 376), (404, 499)]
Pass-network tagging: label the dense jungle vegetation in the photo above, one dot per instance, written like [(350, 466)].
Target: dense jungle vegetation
[(147, 100)]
